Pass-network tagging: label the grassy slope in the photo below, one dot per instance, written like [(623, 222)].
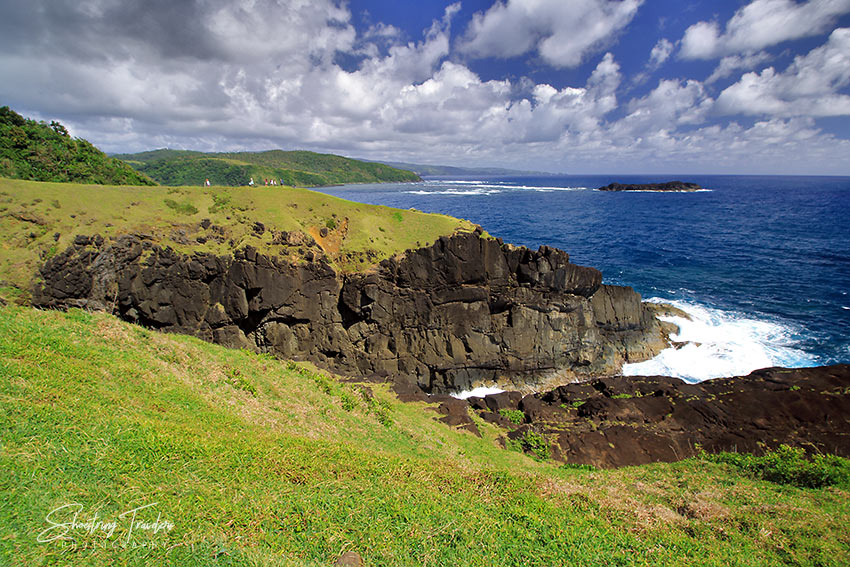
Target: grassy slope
[(301, 168), (257, 462), (32, 213)]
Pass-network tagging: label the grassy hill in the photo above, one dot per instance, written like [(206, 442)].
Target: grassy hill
[(41, 152), (297, 168), (246, 460), (38, 220)]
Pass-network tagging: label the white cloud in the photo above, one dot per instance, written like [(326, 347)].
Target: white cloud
[(761, 24), (562, 33), (809, 87), (660, 53), (732, 63), (671, 104), (129, 84)]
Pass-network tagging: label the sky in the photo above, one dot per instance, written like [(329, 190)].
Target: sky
[(564, 86)]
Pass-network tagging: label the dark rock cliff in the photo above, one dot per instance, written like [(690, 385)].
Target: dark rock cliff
[(464, 311), (614, 422)]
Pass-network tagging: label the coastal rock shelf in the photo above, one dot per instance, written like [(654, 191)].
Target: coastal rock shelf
[(674, 186), (623, 421), (467, 309)]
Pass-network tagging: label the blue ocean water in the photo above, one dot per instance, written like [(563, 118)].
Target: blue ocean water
[(762, 264)]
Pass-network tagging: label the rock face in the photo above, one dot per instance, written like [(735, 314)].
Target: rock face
[(669, 186), (615, 422), (463, 311)]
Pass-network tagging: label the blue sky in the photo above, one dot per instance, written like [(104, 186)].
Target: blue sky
[(571, 86)]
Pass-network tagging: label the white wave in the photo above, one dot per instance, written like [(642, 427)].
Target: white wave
[(721, 343), (480, 188), (456, 192), (545, 189), (479, 392)]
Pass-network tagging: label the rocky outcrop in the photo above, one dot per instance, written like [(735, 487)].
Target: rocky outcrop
[(613, 422), (677, 186), (464, 311)]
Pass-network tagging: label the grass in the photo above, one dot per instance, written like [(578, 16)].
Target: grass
[(790, 465), (38, 220), (257, 461)]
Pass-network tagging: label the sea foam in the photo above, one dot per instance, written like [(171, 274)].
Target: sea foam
[(722, 343), (480, 392)]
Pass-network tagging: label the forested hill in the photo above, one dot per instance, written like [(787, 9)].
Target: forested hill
[(39, 151), (297, 168)]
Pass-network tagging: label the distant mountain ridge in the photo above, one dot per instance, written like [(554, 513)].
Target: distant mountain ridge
[(443, 170), (297, 168), (38, 151)]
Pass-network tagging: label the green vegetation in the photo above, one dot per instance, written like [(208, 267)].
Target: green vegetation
[(38, 220), (182, 208), (512, 415), (41, 152), (531, 442), (281, 465), (295, 168), (790, 465)]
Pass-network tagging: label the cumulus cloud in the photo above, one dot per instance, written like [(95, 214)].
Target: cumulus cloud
[(761, 24), (257, 74), (660, 53), (159, 59), (732, 63), (562, 33), (808, 87), (671, 104)]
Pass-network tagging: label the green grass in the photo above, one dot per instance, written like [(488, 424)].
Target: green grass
[(790, 465), (37, 220), (263, 462)]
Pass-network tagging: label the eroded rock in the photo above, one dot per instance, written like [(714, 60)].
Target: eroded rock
[(464, 311)]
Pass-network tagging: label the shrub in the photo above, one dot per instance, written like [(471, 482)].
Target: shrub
[(579, 467), (238, 381), (348, 401), (789, 465), (220, 202), (182, 208), (512, 415), (531, 442)]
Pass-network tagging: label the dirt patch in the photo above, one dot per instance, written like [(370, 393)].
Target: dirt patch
[(330, 239)]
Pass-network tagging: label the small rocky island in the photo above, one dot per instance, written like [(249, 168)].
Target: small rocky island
[(677, 186)]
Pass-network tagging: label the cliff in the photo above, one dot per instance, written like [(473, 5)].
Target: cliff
[(463, 311)]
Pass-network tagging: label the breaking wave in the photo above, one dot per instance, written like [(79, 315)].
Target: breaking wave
[(721, 343)]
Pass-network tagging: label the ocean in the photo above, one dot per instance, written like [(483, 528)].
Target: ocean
[(761, 263)]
